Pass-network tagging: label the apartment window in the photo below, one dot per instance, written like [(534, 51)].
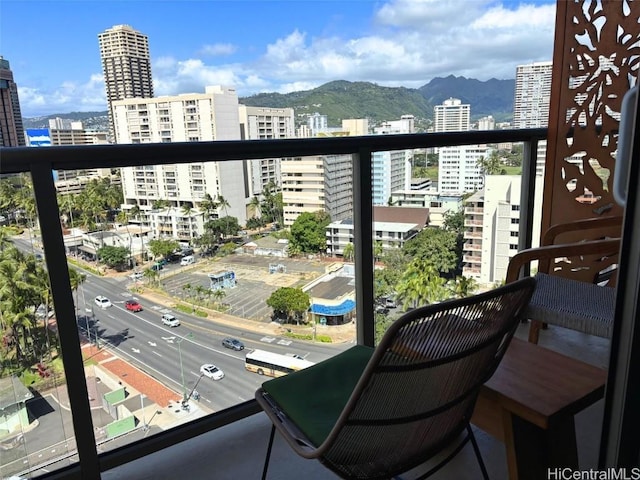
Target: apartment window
[(515, 221), (513, 234), (515, 208)]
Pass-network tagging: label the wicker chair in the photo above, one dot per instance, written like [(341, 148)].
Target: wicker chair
[(568, 294), (375, 413)]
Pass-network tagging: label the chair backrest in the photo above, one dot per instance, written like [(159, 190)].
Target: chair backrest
[(419, 389), (596, 268)]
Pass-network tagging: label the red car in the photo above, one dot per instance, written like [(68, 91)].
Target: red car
[(132, 306)]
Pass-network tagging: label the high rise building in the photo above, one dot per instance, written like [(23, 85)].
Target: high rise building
[(532, 95), (190, 117), (262, 123), (126, 66), (452, 116), (458, 170), (11, 129), (317, 183), (491, 221), (531, 102), (390, 171)]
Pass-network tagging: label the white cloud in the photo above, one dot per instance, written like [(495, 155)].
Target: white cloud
[(409, 43), (67, 97), (218, 49)]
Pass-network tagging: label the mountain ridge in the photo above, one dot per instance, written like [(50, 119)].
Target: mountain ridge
[(342, 99)]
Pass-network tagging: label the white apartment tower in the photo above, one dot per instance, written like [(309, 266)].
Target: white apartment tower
[(192, 117), (318, 124), (314, 183), (452, 116), (491, 220), (532, 95), (531, 102), (261, 123), (126, 65), (459, 171)]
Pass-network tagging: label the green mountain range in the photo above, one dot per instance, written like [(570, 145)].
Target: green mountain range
[(342, 99)]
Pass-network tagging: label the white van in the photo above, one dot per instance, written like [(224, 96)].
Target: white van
[(188, 260)]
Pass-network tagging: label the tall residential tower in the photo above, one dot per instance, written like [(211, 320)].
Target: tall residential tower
[(126, 66), (533, 91), (11, 130)]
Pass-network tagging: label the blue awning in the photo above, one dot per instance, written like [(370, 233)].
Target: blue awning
[(342, 309)]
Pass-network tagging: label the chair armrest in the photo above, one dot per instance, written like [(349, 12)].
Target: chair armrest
[(579, 225), (550, 252)]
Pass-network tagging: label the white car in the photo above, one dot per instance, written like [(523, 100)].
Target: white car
[(211, 371), (103, 302), (170, 320), (136, 276)]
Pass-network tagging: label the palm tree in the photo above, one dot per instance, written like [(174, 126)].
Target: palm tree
[(464, 286), (255, 208), (491, 165), (420, 284), (76, 279), (222, 203), (348, 252), (218, 295), (208, 205), (200, 292), (123, 218)]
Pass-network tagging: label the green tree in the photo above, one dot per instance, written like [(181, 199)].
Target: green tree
[(152, 276), (463, 286), (163, 247), (114, 257), (386, 279), (348, 252), (421, 285), (491, 165), (437, 247), (308, 232), (292, 303)]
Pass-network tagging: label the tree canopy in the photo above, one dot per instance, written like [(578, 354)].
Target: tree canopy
[(308, 232), (163, 247), (290, 303), (114, 257), (437, 247)]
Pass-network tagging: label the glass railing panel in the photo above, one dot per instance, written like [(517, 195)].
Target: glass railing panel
[(36, 430), (143, 374)]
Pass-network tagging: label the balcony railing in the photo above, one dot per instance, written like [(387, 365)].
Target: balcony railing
[(41, 162)]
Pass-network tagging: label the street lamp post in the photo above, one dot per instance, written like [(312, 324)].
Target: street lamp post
[(184, 388), (144, 425)]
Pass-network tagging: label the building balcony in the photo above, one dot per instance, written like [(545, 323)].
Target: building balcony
[(472, 235), (231, 441)]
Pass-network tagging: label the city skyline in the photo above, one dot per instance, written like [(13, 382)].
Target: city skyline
[(274, 46)]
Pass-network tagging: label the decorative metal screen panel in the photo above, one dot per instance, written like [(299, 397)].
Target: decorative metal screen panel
[(596, 57)]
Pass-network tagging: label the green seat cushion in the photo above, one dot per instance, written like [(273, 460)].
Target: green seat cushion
[(313, 398)]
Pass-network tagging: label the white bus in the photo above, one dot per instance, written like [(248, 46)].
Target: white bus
[(273, 364)]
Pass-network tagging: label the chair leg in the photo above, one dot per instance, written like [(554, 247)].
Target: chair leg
[(266, 460), (476, 449), (534, 331)]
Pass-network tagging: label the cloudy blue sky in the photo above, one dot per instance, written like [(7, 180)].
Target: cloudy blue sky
[(268, 45)]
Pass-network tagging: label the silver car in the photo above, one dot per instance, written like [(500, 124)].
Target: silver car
[(170, 320)]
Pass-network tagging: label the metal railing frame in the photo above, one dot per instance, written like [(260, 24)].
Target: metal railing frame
[(40, 163)]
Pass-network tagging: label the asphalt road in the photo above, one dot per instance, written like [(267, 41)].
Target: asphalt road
[(173, 354)]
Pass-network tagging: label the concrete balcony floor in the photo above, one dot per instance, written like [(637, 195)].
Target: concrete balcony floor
[(237, 450)]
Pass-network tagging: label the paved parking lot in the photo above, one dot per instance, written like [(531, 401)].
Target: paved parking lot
[(254, 282)]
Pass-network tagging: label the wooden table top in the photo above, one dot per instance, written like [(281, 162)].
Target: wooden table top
[(541, 385)]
